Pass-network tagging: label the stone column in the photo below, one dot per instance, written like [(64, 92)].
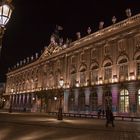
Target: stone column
[(76, 94), (27, 102), (100, 95), (31, 102), (16, 101), (19, 101), (87, 95), (132, 98), (23, 100), (13, 101), (66, 97), (115, 92), (27, 99)]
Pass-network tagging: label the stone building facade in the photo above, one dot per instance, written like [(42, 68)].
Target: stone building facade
[(2, 90), (99, 70)]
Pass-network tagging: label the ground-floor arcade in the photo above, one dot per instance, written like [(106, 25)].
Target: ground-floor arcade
[(123, 98)]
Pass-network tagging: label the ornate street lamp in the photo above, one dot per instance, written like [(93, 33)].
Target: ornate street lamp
[(5, 13), (60, 115)]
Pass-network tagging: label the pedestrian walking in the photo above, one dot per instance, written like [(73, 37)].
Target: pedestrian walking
[(109, 117)]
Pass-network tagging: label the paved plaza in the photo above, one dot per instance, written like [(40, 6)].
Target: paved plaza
[(32, 126)]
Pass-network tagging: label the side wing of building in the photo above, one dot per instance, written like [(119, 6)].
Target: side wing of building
[(99, 70)]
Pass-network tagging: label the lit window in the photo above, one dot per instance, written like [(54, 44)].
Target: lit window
[(123, 71), (82, 78), (81, 101), (124, 101), (73, 79), (108, 73), (94, 73), (139, 97), (93, 101), (71, 101), (94, 76), (138, 69)]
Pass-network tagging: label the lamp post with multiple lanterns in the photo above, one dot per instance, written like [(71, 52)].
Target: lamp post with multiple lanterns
[(60, 115), (5, 13)]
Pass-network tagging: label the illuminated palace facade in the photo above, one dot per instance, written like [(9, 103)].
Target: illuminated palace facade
[(99, 70)]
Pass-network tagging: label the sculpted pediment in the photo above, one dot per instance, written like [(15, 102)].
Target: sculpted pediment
[(50, 50)]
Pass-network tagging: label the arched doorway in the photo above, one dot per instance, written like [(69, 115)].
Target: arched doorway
[(71, 101), (81, 101), (107, 98), (124, 101), (138, 102), (93, 101)]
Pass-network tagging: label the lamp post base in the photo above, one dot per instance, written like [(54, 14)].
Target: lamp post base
[(60, 116)]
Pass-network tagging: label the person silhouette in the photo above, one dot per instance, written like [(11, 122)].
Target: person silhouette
[(109, 117)]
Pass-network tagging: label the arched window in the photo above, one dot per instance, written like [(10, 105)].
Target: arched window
[(82, 57), (81, 101), (51, 80), (138, 66), (94, 53), (107, 98), (94, 73), (82, 74), (123, 69), (107, 71), (138, 98), (71, 101), (73, 76), (57, 77), (93, 101), (124, 100), (138, 69), (73, 60), (107, 49)]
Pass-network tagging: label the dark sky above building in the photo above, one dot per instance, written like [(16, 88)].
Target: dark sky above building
[(33, 22)]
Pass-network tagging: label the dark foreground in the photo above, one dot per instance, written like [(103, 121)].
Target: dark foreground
[(26, 126)]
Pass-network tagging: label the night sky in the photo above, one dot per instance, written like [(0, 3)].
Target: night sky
[(33, 22)]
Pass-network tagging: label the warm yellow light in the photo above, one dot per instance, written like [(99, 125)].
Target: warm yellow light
[(61, 82), (100, 81), (132, 76), (77, 84), (5, 14)]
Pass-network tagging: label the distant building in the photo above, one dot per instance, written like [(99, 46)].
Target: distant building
[(2, 89), (99, 70)]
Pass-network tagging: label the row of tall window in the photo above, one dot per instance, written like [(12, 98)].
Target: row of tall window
[(123, 102), (94, 74)]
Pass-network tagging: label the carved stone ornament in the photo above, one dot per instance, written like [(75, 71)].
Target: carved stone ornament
[(128, 12), (101, 25), (78, 35), (51, 49), (89, 30), (114, 19)]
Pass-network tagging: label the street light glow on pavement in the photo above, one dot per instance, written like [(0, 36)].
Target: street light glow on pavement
[(25, 126)]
